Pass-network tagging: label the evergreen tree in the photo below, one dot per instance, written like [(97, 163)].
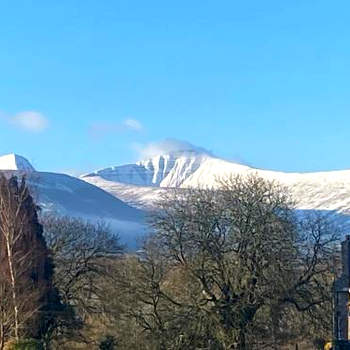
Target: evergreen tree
[(26, 275)]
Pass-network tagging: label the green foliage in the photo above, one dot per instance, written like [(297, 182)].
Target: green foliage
[(24, 344)]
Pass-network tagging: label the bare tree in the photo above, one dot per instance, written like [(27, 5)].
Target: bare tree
[(81, 252), (248, 254)]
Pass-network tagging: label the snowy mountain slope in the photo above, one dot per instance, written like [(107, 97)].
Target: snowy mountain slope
[(73, 197), (142, 197), (166, 170), (329, 191), (319, 190), (15, 162), (66, 195), (122, 195)]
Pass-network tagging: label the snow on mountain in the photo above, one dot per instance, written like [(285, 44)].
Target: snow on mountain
[(320, 190), (15, 162), (324, 191), (141, 197), (69, 195), (120, 195), (168, 170), (65, 195)]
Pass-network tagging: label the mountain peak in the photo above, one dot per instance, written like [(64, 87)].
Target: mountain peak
[(173, 148), (13, 161), (161, 168)]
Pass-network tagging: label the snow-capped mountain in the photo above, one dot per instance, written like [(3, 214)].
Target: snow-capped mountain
[(67, 195), (121, 195), (325, 191), (166, 170)]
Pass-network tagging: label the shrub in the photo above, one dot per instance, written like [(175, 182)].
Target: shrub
[(108, 343), (24, 344)]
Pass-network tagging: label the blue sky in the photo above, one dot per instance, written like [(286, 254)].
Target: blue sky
[(87, 84)]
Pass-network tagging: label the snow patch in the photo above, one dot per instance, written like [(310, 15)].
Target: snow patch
[(15, 162)]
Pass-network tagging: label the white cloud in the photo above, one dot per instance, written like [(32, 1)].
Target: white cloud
[(133, 124), (30, 121), (100, 129), (166, 146)]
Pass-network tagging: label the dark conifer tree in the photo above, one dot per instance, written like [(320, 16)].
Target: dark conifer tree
[(26, 268)]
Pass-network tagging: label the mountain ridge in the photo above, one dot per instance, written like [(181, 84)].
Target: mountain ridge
[(124, 194), (164, 170), (324, 190)]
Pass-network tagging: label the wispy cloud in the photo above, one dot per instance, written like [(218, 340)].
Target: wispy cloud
[(149, 150), (133, 124), (30, 121), (101, 129), (170, 145)]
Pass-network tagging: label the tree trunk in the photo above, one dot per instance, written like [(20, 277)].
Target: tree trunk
[(241, 340), (13, 287), (2, 336)]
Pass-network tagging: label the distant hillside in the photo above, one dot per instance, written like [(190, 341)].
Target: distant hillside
[(67, 195), (141, 184)]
